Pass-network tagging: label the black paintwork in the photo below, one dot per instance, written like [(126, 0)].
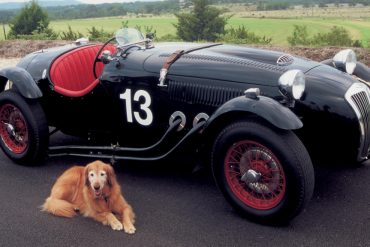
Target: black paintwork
[(22, 80), (262, 106), (210, 80)]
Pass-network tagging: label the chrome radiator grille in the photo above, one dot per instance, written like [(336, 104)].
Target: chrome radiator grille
[(358, 96)]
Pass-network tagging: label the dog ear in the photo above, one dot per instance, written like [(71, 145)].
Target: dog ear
[(111, 177), (87, 181)]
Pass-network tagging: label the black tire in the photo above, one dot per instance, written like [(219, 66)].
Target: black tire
[(24, 133), (265, 173)]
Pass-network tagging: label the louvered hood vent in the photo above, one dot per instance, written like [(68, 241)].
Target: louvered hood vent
[(285, 60)]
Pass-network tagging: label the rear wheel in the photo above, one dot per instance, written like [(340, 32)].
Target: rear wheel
[(264, 173), (24, 134)]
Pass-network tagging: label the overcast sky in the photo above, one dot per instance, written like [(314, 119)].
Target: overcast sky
[(84, 1)]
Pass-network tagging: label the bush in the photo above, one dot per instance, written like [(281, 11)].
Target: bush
[(146, 29), (99, 35), (337, 36), (357, 43), (70, 34), (300, 36), (46, 34), (241, 35), (168, 37)]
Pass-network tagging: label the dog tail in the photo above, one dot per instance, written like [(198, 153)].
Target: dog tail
[(59, 207)]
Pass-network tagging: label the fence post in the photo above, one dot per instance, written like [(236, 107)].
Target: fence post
[(4, 31)]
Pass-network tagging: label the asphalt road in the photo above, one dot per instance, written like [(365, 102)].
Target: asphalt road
[(176, 207)]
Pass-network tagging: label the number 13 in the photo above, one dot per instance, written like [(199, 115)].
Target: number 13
[(144, 106)]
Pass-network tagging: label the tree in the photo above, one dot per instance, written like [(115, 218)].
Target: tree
[(32, 18), (203, 23)]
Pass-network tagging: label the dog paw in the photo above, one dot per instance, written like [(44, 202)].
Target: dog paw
[(116, 225), (130, 229)]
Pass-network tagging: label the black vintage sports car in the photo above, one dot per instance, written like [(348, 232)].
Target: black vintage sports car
[(252, 112)]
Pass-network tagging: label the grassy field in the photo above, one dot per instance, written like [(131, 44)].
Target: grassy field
[(280, 29), (163, 25), (268, 23), (277, 29)]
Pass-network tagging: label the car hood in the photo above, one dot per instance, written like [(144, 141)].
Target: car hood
[(227, 62)]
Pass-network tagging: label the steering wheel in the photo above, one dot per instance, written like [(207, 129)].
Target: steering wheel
[(97, 59)]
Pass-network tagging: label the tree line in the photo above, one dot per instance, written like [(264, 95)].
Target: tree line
[(295, 2), (102, 10)]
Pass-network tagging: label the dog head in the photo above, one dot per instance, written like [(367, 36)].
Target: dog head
[(99, 177)]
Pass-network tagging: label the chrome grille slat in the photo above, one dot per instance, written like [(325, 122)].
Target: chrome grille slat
[(204, 94), (362, 102), (358, 96)]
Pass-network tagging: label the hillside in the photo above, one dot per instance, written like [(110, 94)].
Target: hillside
[(50, 3)]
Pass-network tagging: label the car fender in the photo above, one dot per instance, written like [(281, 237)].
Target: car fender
[(264, 107), (22, 81), (361, 70)]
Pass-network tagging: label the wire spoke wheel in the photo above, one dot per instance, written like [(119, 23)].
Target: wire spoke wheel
[(13, 128), (265, 173), (255, 175), (24, 132)]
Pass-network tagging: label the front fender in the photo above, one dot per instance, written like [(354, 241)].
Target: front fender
[(361, 70), (264, 107), (22, 81)]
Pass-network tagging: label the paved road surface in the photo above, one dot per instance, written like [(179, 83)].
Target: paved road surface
[(176, 208)]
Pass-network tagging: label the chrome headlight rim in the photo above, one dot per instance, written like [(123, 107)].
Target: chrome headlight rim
[(292, 84), (346, 60)]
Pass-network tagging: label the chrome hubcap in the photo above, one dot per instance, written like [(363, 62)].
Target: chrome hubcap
[(10, 129), (251, 176)]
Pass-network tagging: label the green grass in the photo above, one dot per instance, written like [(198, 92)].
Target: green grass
[(277, 29), (280, 29), (163, 25)]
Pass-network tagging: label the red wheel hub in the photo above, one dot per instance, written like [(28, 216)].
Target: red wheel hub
[(13, 129), (255, 175)]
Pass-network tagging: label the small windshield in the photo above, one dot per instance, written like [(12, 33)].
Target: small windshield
[(128, 35)]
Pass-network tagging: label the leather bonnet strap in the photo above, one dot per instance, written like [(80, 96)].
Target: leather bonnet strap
[(172, 59)]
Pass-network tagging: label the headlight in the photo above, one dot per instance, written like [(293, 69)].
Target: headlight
[(345, 60), (292, 84)]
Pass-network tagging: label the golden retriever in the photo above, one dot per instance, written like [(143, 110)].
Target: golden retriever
[(94, 192)]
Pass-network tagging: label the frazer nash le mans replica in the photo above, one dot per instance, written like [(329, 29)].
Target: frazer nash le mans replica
[(252, 113)]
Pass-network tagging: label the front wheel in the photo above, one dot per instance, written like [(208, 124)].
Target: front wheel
[(24, 134), (265, 173)]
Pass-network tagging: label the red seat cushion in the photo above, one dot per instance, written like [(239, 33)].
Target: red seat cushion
[(72, 72)]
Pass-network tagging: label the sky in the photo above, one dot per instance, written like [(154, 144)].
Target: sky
[(83, 1)]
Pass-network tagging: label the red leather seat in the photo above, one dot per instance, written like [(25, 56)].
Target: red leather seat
[(72, 72)]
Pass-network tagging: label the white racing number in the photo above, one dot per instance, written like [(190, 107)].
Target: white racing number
[(130, 114)]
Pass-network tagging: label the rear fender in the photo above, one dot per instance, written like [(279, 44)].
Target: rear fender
[(22, 81), (264, 107)]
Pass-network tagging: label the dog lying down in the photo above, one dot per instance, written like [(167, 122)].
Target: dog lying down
[(94, 192)]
